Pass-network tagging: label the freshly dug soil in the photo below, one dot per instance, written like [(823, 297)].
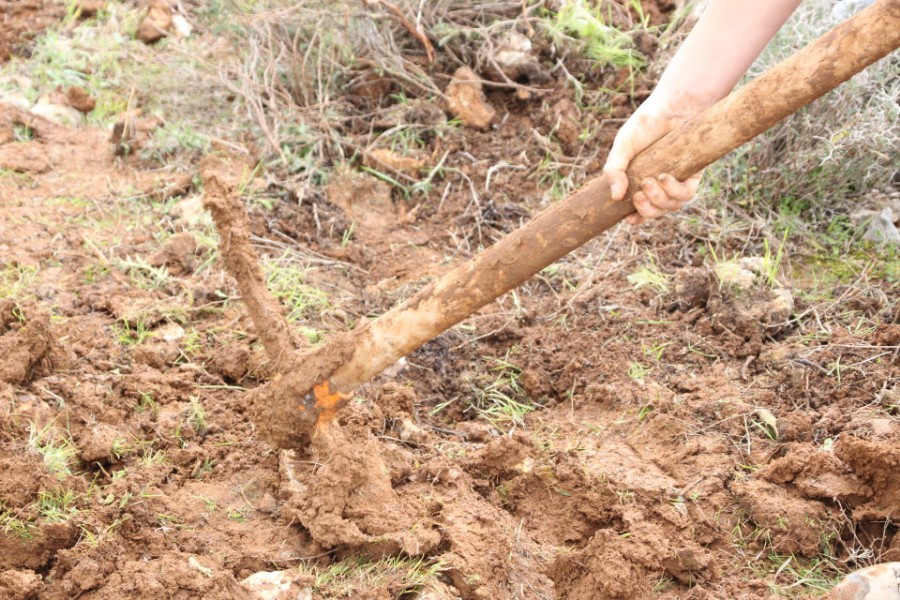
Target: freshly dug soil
[(22, 20), (684, 442)]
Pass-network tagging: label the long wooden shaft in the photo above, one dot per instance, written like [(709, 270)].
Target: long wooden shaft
[(287, 409)]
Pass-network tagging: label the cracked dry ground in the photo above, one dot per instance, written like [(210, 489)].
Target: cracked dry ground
[(121, 388)]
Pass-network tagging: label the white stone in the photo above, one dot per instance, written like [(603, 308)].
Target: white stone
[(882, 229), (181, 27), (15, 99), (275, 585), (731, 274), (879, 582), (170, 332), (513, 51), (190, 210), (57, 113)]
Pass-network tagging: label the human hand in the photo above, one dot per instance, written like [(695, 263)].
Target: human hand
[(658, 195)]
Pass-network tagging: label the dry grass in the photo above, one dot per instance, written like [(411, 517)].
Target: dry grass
[(844, 144)]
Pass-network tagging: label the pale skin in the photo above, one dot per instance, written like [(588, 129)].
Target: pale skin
[(727, 38)]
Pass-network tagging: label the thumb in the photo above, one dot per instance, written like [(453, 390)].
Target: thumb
[(614, 170)]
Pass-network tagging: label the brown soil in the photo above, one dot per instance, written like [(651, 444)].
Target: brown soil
[(621, 486), (22, 20)]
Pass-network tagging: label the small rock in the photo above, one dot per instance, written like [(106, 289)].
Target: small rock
[(55, 107), (754, 264), (513, 54), (844, 9), (15, 99), (861, 216), (190, 211), (156, 24), (20, 82), (880, 582), (779, 306), (79, 99), (277, 585), (195, 564), (732, 274), (882, 427), (181, 27), (15, 94), (882, 229), (466, 100), (170, 332)]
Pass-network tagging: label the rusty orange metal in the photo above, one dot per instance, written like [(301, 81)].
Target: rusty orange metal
[(327, 403)]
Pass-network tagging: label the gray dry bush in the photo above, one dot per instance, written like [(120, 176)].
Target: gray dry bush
[(844, 144), (323, 82)]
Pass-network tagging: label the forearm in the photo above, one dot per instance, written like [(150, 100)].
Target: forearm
[(727, 38)]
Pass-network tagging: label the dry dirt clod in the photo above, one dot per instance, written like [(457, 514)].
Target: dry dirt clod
[(692, 286), (477, 431), (79, 99), (565, 120), (690, 564), (156, 24), (466, 100), (19, 584), (365, 200), (24, 157), (438, 591), (25, 350), (15, 99), (98, 443), (734, 275), (382, 157)]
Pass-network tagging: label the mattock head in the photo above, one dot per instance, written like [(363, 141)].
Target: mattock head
[(326, 403)]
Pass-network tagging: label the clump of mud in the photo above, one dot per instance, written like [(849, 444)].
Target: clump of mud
[(25, 342)]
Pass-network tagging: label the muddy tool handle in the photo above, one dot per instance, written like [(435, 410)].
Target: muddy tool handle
[(349, 361)]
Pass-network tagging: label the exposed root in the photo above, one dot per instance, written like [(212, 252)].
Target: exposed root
[(242, 263)]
